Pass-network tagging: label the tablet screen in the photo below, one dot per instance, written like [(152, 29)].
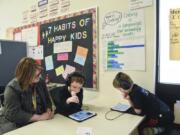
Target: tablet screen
[(82, 115), (120, 107)]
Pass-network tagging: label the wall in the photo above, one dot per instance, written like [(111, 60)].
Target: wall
[(11, 17), (11, 14)]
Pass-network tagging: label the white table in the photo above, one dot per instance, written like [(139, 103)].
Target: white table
[(60, 125)]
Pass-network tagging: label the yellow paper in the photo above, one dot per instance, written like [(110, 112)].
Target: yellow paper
[(59, 70), (175, 34)]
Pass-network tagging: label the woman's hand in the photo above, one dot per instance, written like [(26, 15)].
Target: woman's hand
[(51, 113), (45, 116)]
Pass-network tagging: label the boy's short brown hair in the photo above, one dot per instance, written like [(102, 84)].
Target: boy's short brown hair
[(75, 76), (122, 80)]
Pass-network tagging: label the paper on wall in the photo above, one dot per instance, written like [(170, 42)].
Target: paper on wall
[(63, 47), (137, 4), (30, 35), (59, 70), (49, 63), (17, 36), (62, 56), (81, 55), (68, 70), (35, 52)]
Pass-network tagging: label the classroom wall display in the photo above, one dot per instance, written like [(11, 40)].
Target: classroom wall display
[(30, 35), (45, 9), (69, 44), (123, 37)]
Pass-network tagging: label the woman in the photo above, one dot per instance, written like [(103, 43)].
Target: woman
[(68, 98), (26, 96), (158, 114)]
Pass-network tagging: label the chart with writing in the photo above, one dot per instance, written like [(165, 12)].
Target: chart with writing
[(123, 40), (128, 57)]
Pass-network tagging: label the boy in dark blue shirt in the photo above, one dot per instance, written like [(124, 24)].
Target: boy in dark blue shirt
[(143, 102), (68, 99)]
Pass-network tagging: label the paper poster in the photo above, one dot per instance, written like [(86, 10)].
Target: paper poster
[(59, 70), (64, 6), (124, 40), (43, 9), (53, 7), (81, 55), (30, 35), (128, 27), (17, 36), (42, 2), (136, 4), (63, 47), (35, 52), (25, 17), (62, 56), (33, 14), (68, 70), (49, 63), (82, 51), (175, 34), (80, 60), (125, 57)]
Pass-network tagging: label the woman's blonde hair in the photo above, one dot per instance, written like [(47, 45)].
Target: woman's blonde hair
[(25, 71), (122, 80)]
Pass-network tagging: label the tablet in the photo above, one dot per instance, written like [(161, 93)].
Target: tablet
[(82, 115), (120, 107)]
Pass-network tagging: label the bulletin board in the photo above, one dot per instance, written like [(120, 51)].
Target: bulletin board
[(11, 53), (69, 44)]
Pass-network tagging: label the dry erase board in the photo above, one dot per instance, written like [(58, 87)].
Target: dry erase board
[(11, 53), (70, 44)]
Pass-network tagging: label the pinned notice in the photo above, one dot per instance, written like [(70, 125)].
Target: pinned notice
[(59, 70), (49, 63), (62, 56), (81, 55), (63, 47)]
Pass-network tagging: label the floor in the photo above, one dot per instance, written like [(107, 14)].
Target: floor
[(175, 130)]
